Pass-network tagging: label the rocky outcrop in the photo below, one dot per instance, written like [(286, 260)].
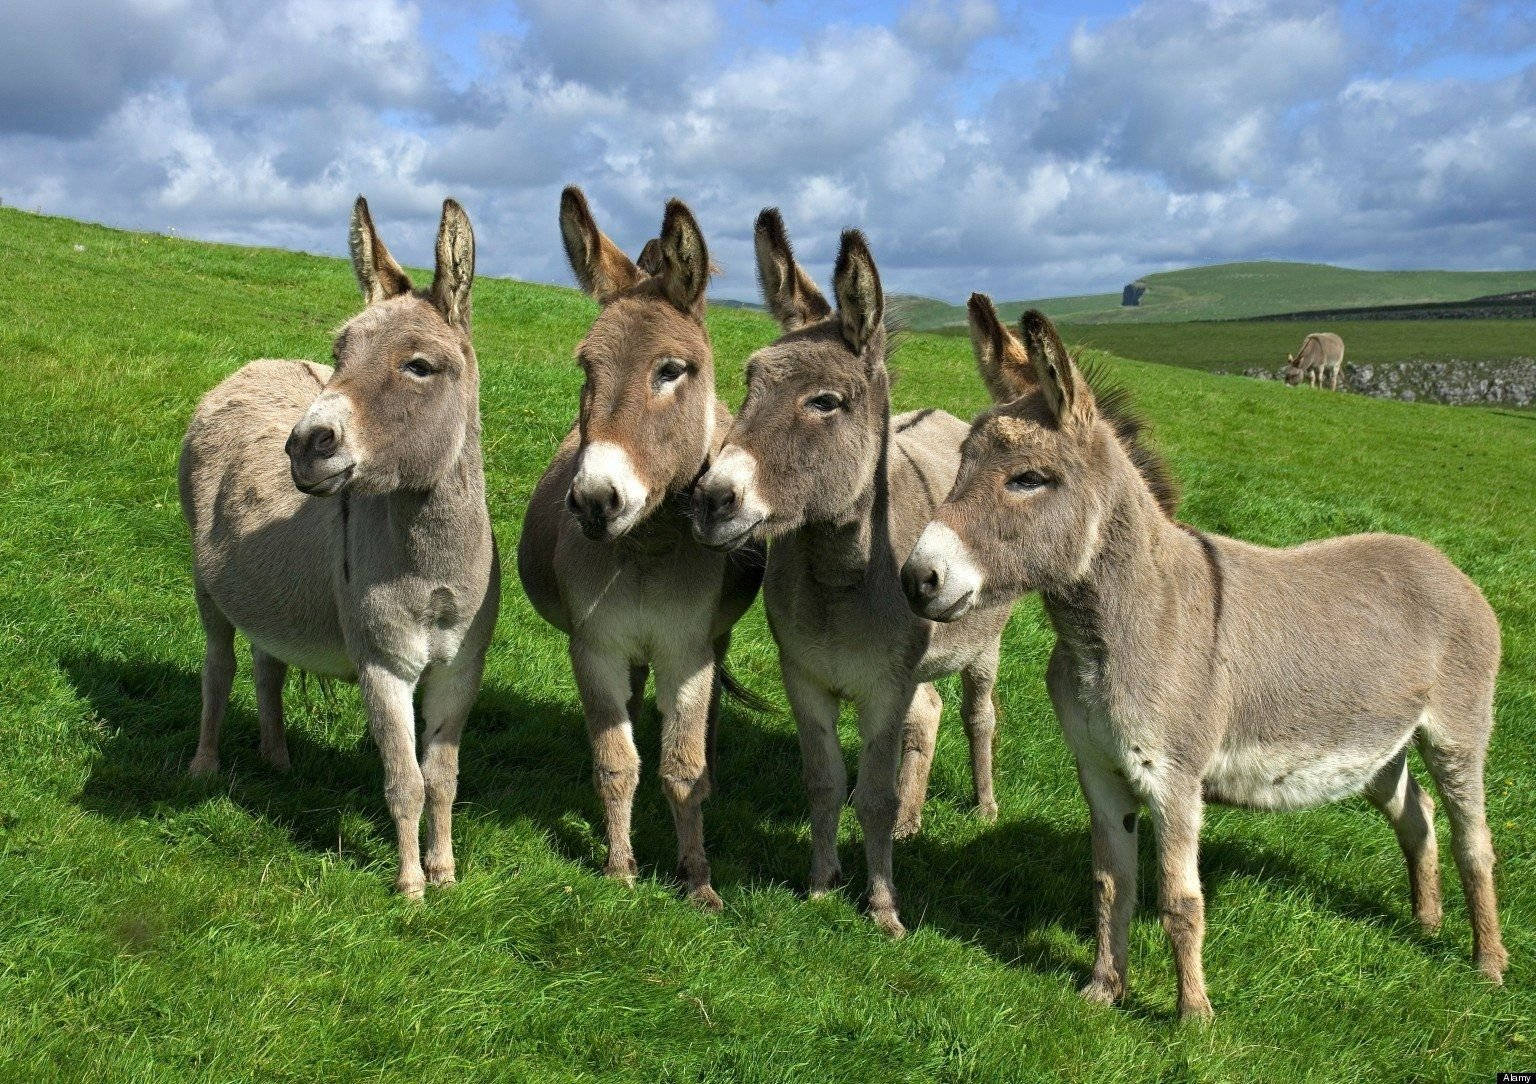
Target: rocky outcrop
[(1130, 297), (1510, 383)]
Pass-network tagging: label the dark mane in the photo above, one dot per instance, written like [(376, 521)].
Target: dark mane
[(1114, 404)]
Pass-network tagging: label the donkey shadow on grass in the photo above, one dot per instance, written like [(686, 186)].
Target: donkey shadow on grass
[(1008, 888)]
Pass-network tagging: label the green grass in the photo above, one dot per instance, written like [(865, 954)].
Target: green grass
[(1233, 290), (1232, 346), (156, 928)]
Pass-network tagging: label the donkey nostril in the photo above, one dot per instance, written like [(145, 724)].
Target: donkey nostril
[(930, 584), (723, 501), (322, 440), (611, 500)]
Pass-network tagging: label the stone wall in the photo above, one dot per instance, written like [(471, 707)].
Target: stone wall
[(1511, 382)]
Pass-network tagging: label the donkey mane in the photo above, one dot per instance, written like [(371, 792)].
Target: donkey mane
[(1116, 407)]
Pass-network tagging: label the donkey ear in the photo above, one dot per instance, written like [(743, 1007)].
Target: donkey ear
[(455, 265), (856, 284), (377, 272), (788, 291), (1065, 391), (650, 257), (1005, 368), (601, 268), (685, 265)]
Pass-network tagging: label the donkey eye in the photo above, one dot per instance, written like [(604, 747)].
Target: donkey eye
[(825, 403), (1028, 481), (418, 367), (668, 372)]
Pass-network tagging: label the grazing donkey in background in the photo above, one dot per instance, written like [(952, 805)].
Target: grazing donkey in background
[(1321, 357), (816, 462), (606, 555), (365, 552), (1183, 664)]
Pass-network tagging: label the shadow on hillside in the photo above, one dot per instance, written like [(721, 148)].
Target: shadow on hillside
[(1011, 888)]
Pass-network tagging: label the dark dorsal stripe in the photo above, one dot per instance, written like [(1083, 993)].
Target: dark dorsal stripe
[(346, 549), (1213, 562)]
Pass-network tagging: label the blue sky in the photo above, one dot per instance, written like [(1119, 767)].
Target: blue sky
[(1024, 149)]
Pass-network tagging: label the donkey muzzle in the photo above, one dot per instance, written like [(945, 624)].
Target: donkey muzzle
[(725, 510), (319, 458), (607, 497), (940, 580)]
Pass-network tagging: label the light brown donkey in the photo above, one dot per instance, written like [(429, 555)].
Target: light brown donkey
[(1320, 358), (606, 555), (365, 552), (1182, 670), (816, 462)]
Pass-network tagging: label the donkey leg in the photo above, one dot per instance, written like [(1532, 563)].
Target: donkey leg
[(684, 691), (1176, 815), (978, 708), (826, 777), (392, 721), (1112, 812), (1458, 773), (1411, 811), (874, 799), (218, 679), (602, 680), (448, 693), (920, 730), (270, 672)]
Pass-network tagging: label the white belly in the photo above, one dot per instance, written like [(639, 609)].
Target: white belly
[(1267, 777)]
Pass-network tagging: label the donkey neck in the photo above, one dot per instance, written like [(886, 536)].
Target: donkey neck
[(844, 552), (439, 534), (1140, 593)]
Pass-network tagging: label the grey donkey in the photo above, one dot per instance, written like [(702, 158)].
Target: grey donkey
[(606, 554), (1183, 669), (338, 520), (1320, 358), (816, 463)]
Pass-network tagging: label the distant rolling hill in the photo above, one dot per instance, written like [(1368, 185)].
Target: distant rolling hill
[(1237, 290)]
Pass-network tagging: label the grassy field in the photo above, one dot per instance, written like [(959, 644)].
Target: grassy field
[(1234, 290), (1232, 346), (155, 928)]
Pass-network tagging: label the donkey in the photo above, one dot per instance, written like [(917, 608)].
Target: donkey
[(816, 462), (365, 552), (1321, 357), (606, 555), (1180, 672)]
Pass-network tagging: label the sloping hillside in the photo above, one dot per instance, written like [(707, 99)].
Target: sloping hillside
[(157, 927), (1234, 290)]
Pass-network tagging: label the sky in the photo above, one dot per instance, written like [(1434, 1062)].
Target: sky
[(1022, 149)]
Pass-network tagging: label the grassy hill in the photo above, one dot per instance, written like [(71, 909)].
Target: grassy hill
[(1232, 346), (153, 927), (1234, 290)]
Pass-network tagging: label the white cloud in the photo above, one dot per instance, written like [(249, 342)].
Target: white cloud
[(1182, 131)]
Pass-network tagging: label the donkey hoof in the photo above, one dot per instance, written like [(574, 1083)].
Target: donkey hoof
[(889, 923), (986, 812), (439, 873), (705, 898), (1101, 992), (1196, 1011), (906, 829), (277, 758), (1493, 965), (414, 889), (203, 765), (624, 871), (826, 884)]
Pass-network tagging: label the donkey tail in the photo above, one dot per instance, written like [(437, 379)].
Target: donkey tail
[(739, 692)]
